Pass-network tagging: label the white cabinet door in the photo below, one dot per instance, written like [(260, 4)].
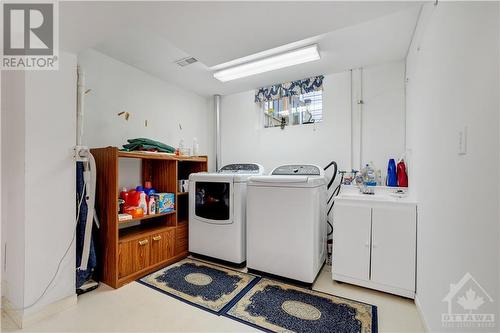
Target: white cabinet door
[(394, 246), (351, 241)]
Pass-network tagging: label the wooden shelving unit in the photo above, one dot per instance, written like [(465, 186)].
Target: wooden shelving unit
[(127, 254), (145, 217)]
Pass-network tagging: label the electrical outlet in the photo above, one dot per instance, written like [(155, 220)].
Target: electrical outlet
[(462, 141)]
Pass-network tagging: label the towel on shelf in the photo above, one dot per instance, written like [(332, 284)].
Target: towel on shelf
[(147, 144)]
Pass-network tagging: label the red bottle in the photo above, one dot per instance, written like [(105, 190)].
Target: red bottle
[(402, 176)]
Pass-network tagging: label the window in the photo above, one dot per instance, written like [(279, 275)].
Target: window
[(294, 110), (292, 103)]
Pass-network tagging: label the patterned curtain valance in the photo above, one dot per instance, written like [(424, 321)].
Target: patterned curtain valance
[(287, 89)]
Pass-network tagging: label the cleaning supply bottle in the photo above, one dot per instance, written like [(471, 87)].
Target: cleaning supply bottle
[(402, 175), (152, 206), (142, 202), (369, 176), (392, 179)]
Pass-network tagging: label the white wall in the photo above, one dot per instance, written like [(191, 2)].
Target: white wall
[(245, 140), (13, 189), (50, 174), (453, 81), (383, 119), (38, 173), (119, 87)]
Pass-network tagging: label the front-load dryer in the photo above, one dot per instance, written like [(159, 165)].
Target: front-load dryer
[(217, 212), (286, 222)]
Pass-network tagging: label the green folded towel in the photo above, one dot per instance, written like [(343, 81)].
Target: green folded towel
[(147, 144)]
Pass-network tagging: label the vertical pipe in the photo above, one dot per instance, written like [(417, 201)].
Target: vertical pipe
[(217, 133), (79, 106), (360, 104), (352, 121)]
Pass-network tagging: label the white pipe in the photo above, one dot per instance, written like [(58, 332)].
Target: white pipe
[(79, 106), (360, 104), (352, 120), (217, 133)]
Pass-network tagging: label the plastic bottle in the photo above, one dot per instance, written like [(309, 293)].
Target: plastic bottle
[(152, 206), (401, 172), (124, 194), (392, 179), (142, 202), (369, 176), (196, 147)]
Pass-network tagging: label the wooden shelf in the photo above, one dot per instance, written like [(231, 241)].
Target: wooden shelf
[(182, 193), (160, 156), (128, 253), (146, 217), (141, 231)]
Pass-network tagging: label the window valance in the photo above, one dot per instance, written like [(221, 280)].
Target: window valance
[(287, 89)]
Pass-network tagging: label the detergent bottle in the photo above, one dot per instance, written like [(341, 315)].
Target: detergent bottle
[(142, 202), (392, 179), (402, 175)]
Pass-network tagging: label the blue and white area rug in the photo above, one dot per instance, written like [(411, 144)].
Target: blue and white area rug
[(279, 307), (211, 287), (265, 304)]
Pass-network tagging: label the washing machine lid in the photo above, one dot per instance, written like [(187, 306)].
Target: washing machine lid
[(287, 181), (298, 170), (242, 168), (211, 177), (241, 171), (292, 175)]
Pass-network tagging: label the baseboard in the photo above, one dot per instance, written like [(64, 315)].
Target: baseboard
[(373, 285), (421, 313), (25, 318), (15, 315)]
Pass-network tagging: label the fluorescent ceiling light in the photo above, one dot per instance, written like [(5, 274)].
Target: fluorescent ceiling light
[(287, 59)]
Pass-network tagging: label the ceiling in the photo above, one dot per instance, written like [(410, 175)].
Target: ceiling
[(151, 36)]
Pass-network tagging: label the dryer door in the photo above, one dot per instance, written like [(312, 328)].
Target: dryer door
[(212, 200)]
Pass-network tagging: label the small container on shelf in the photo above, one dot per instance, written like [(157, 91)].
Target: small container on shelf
[(124, 217), (136, 212), (165, 202), (183, 185)]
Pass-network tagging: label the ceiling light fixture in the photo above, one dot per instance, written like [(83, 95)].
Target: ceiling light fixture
[(287, 59)]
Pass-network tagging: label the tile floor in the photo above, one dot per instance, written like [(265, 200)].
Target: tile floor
[(137, 308)]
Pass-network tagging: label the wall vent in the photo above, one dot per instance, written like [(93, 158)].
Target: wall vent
[(186, 61)]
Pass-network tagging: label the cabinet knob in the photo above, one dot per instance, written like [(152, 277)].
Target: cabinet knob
[(143, 242), (157, 238), (375, 245), (367, 244)]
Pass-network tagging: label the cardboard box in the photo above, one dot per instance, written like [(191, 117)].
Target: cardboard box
[(165, 202)]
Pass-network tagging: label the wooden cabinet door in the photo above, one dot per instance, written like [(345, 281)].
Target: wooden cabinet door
[(125, 264), (133, 256), (162, 246), (351, 241), (394, 246)]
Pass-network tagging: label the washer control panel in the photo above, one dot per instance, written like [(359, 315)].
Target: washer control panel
[(241, 168), (300, 170)]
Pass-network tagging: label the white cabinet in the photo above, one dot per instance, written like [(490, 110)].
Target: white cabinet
[(374, 244), (393, 246), (352, 241)]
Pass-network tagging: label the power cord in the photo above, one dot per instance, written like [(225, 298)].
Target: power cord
[(84, 195)]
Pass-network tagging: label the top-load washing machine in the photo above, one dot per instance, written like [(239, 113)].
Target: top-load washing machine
[(286, 222), (217, 212)]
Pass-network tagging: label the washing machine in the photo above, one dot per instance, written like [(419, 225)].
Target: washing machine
[(286, 222), (217, 212)]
